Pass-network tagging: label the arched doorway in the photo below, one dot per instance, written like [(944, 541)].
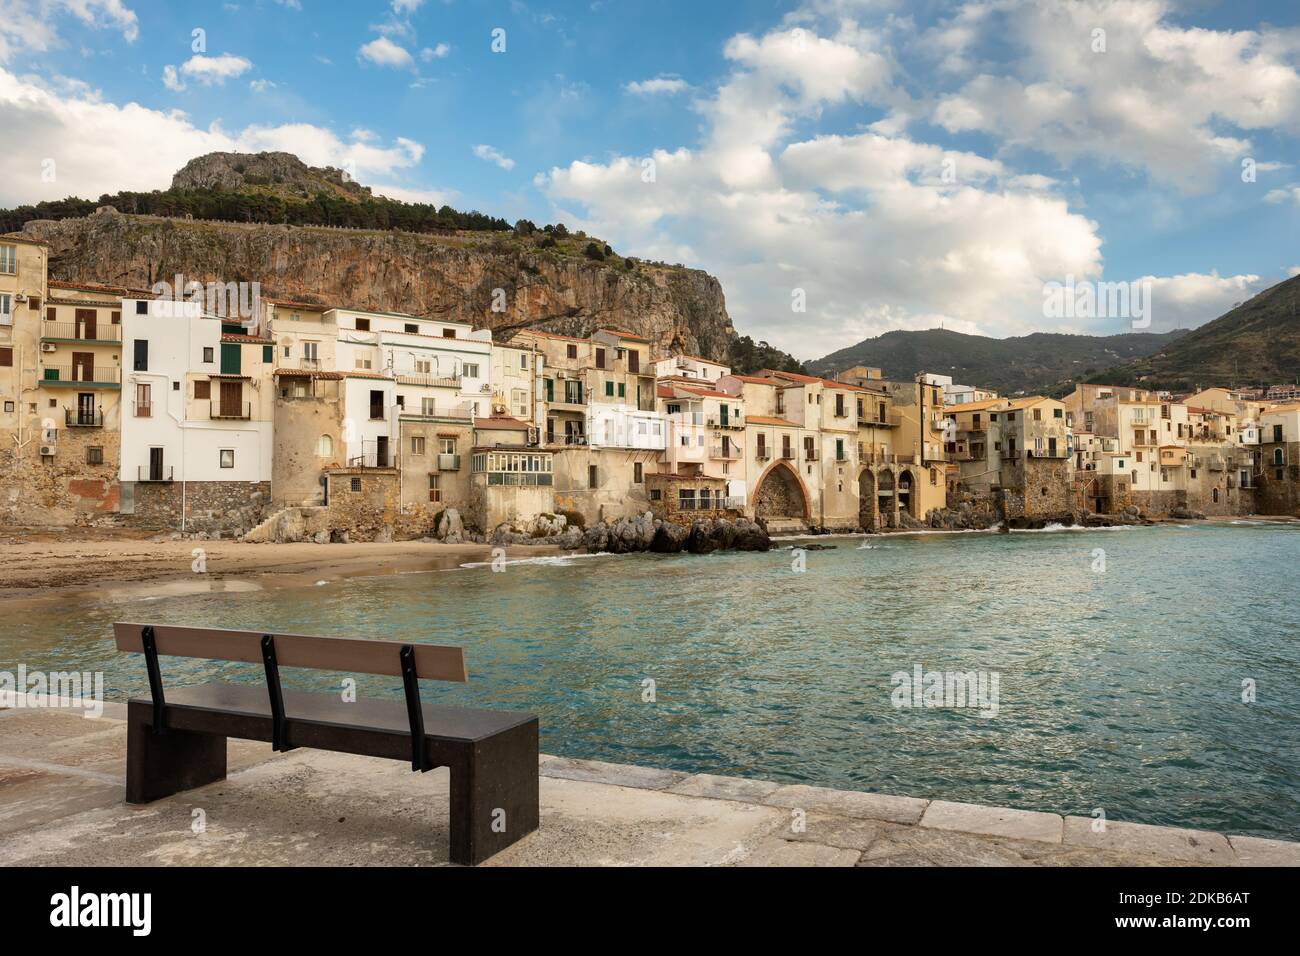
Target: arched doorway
[(906, 497), (780, 494)]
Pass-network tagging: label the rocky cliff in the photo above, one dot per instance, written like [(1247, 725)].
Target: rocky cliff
[(447, 276)]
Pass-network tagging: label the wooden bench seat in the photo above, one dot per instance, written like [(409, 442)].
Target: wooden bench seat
[(177, 739)]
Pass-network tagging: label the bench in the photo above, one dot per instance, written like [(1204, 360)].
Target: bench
[(177, 741)]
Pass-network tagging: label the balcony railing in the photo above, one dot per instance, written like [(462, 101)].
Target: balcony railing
[(462, 410), (553, 439), (710, 504), (731, 421), (372, 459), (787, 454), (148, 473), (239, 411), (83, 418), (142, 409), (409, 377), (81, 332), (448, 462), (727, 452), (762, 454), (79, 374), (810, 454)]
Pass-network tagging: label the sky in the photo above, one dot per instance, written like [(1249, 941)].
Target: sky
[(844, 167)]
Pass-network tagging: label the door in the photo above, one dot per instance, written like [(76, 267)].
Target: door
[(83, 366), (381, 452), (232, 394), (1051, 447), (86, 408), (376, 404), (155, 464), (86, 324)]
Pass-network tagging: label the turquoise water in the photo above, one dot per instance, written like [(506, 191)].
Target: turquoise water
[(1119, 689)]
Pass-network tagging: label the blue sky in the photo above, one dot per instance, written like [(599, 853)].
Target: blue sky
[(898, 164)]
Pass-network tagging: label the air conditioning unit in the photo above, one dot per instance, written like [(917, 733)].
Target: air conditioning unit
[(49, 347), (47, 451), (534, 436), (20, 297)]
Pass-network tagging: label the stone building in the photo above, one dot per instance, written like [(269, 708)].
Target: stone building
[(1279, 464)]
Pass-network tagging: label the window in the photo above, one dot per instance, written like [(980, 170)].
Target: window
[(470, 370), (6, 358), (417, 445), (34, 303), (656, 494), (325, 447), (591, 476), (141, 355), (94, 455), (622, 390), (1277, 456), (412, 328), (355, 484), (435, 493), (227, 458), (571, 351), (1038, 414), (447, 446), (428, 406), (363, 363), (636, 472), (523, 360), (839, 449), (9, 408), (609, 389), (308, 351), (208, 355), (6, 309), (363, 325), (448, 333), (141, 307), (600, 358), (143, 400), (268, 354), (8, 259), (202, 388)]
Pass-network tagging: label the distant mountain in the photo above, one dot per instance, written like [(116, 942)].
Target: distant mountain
[(1042, 362), (1256, 343)]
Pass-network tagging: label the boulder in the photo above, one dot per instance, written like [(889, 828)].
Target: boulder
[(570, 539), (669, 538), (548, 525), (450, 527), (750, 536), (596, 538)]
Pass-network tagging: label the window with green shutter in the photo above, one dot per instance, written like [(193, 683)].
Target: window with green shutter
[(230, 358), (622, 390), (268, 354), (609, 389)]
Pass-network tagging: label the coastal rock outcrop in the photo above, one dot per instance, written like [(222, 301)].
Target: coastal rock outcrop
[(647, 533)]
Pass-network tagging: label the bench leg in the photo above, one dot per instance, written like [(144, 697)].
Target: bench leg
[(494, 795), (158, 765)]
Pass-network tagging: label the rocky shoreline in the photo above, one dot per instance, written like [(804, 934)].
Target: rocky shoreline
[(643, 533)]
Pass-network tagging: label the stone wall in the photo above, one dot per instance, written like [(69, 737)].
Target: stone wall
[(1041, 489), (1279, 496), (225, 508), (365, 505), (62, 490)]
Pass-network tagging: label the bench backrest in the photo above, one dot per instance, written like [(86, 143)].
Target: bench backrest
[(347, 655)]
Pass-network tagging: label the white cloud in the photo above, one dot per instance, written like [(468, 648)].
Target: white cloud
[(402, 7), (29, 26), (1186, 301), (493, 155), (206, 70), (261, 86), (384, 52), (291, 4), (436, 53), (1290, 194), (1178, 103), (100, 147), (661, 84)]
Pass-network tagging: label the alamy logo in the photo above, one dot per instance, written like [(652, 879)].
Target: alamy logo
[(952, 689), (82, 690), (1098, 300), (74, 908), (233, 301)]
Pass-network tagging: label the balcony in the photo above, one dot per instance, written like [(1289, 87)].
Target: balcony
[(236, 411), (83, 418), (726, 451), (460, 410), (148, 473), (429, 378), (762, 454), (373, 459), (787, 454), (142, 409), (81, 332), (79, 375), (711, 504), (731, 421), (554, 439), (810, 454), (448, 462)]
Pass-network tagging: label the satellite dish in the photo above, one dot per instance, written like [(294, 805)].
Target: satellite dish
[(498, 409)]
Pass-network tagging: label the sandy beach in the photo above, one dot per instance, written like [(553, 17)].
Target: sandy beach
[(117, 564)]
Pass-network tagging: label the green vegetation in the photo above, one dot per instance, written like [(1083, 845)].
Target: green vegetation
[(1043, 362), (266, 206), (745, 356)]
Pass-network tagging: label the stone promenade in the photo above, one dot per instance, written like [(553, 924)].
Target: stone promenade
[(61, 785)]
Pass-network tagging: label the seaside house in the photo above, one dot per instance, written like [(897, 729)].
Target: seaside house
[(196, 441), (705, 429), (1279, 454)]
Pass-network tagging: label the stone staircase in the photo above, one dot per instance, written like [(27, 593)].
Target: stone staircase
[(291, 524)]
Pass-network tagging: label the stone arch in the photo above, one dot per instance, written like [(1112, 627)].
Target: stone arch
[(908, 492), (868, 506), (781, 493)]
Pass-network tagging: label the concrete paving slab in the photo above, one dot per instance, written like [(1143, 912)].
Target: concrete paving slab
[(725, 788), (1196, 846), (1257, 851), (614, 774), (993, 821), (778, 852), (32, 796), (830, 829), (849, 803)]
